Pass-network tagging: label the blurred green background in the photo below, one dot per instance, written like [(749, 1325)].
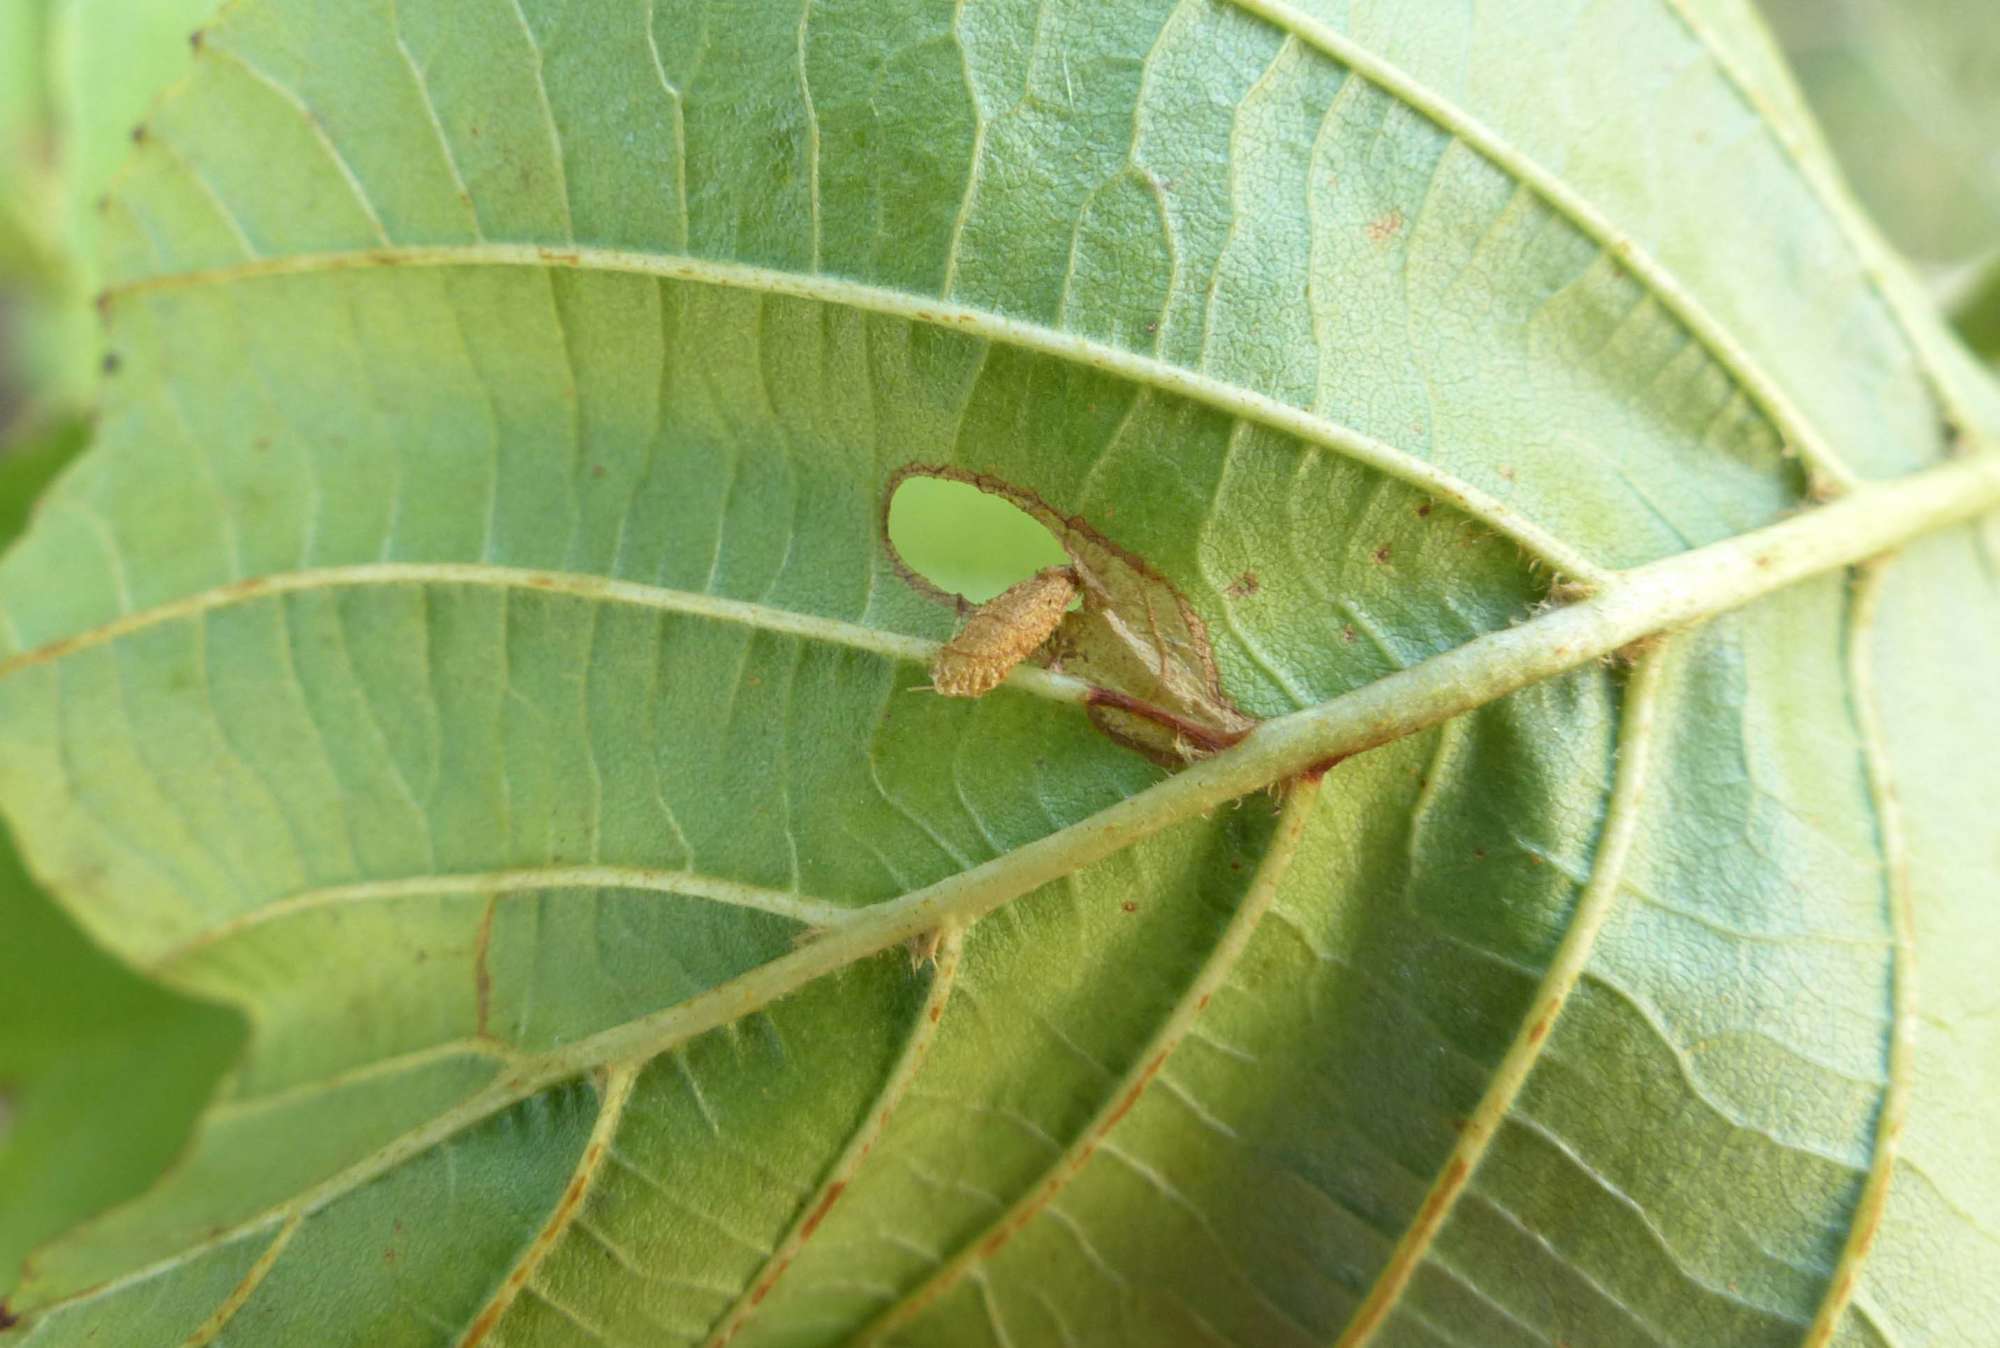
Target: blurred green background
[(100, 1072)]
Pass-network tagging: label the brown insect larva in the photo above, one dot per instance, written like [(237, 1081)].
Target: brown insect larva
[(1002, 632)]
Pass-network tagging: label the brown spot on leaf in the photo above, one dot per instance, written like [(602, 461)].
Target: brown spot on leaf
[(1424, 510), (1381, 555), (1386, 226), (1244, 586), (1128, 907), (482, 977)]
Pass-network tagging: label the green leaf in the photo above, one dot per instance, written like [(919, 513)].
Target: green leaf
[(1909, 95), (101, 1072), (75, 77), (472, 651), (28, 465)]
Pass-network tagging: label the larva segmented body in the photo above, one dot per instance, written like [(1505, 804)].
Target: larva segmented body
[(1002, 632)]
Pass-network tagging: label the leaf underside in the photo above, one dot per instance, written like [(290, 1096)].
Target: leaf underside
[(470, 650)]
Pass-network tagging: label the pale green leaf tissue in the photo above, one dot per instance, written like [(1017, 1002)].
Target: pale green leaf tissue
[(469, 651)]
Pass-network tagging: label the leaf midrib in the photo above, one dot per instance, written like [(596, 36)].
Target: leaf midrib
[(1677, 591)]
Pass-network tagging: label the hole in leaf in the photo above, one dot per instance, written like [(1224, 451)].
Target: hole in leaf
[(964, 540), (1129, 633)]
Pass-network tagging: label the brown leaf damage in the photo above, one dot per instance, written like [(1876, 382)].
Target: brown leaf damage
[(1134, 638)]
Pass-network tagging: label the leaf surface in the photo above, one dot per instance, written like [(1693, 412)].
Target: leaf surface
[(1910, 95), (471, 651), (1908, 98), (75, 77), (101, 1073)]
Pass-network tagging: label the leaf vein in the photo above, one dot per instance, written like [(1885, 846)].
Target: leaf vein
[(1845, 1277), (1594, 907), (1309, 427), (617, 1090), (240, 1295), (902, 1074), (1457, 121), (1125, 1090)]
